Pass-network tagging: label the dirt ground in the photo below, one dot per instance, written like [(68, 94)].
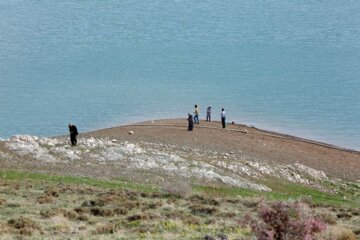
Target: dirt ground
[(258, 145)]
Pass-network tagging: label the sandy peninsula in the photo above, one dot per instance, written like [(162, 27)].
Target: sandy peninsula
[(252, 143), (161, 150)]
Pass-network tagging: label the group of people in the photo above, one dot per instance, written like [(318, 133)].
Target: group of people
[(195, 119), (192, 120)]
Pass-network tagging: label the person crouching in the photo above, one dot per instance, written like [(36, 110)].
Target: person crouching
[(191, 122)]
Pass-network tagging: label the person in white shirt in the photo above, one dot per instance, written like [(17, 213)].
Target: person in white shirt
[(196, 117), (223, 118)]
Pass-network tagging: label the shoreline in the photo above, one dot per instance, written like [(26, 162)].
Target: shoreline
[(151, 123), (275, 133), (244, 141), (240, 142)]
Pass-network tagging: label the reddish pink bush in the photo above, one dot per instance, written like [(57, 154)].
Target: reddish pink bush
[(285, 221)]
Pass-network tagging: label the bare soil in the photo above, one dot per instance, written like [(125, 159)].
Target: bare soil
[(256, 144)]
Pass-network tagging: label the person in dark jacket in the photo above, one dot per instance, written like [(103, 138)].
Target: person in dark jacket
[(73, 133), (208, 114), (191, 122), (223, 118)]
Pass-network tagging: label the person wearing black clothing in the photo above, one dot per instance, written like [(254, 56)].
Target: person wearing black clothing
[(191, 122), (73, 133), (223, 118)]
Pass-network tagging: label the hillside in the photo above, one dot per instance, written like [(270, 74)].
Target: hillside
[(210, 178)]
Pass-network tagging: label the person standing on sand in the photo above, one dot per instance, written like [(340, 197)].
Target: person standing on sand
[(223, 118), (196, 117), (208, 114), (191, 123), (73, 133)]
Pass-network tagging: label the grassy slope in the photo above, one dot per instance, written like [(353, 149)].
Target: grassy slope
[(80, 207)]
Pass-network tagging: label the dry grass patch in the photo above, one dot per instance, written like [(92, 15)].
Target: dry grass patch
[(338, 232), (45, 199), (226, 214), (60, 225), (105, 229), (131, 195), (184, 217), (152, 205), (48, 213), (13, 205), (357, 231), (202, 210), (102, 212), (82, 210), (328, 218), (129, 205), (151, 195), (93, 203), (345, 215), (69, 214), (2, 201), (233, 200), (191, 220), (52, 192), (143, 217), (4, 228), (204, 200), (120, 211), (250, 203), (24, 226), (355, 212), (82, 217)]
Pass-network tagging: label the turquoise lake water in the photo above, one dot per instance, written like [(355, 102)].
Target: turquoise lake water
[(287, 66)]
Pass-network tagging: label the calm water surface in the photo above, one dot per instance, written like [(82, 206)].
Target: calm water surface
[(288, 66)]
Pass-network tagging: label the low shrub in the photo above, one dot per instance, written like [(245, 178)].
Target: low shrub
[(137, 217), (70, 214), (101, 212), (328, 218), (346, 215), (285, 221), (82, 217), (24, 226), (45, 199), (52, 192), (105, 229), (120, 211), (203, 210), (204, 200)]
